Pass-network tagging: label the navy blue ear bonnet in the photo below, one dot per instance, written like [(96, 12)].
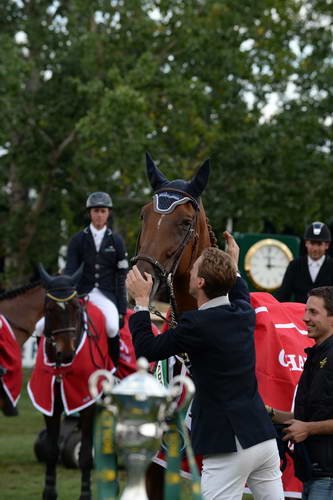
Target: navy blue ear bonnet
[(60, 288), (166, 201), (169, 194)]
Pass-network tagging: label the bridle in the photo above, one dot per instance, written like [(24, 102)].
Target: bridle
[(50, 335), (74, 331), (167, 276)]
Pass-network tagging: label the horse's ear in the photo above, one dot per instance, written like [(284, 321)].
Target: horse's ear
[(155, 176), (199, 182), (44, 276), (77, 275)]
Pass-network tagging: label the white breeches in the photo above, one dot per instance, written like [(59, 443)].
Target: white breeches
[(109, 310), (224, 475), (39, 327)]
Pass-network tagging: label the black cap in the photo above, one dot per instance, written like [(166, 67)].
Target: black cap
[(317, 231)]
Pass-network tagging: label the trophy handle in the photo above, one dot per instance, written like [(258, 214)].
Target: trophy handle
[(108, 382)]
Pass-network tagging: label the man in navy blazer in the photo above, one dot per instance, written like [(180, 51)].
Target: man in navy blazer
[(308, 271), (103, 255), (230, 425)]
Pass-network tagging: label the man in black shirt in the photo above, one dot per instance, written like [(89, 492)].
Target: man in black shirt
[(312, 421)]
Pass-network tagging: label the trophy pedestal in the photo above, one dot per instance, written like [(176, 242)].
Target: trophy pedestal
[(136, 465)]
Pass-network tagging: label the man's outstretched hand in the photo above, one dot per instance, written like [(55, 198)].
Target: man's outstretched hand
[(231, 247)]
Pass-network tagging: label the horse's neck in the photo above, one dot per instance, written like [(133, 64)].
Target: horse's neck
[(23, 311), (184, 301)]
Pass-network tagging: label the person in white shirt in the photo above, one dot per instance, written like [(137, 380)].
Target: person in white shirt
[(310, 271), (105, 261), (103, 255)]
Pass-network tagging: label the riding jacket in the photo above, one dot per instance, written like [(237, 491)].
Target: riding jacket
[(105, 269), (297, 280), (219, 340), (314, 403)]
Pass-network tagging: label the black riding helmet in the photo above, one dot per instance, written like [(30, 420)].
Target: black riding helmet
[(317, 231), (99, 199)]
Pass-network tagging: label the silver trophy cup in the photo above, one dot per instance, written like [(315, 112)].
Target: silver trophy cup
[(141, 405)]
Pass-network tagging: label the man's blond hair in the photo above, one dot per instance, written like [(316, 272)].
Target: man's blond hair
[(218, 270)]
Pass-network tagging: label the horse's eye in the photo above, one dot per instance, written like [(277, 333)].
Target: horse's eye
[(186, 224)]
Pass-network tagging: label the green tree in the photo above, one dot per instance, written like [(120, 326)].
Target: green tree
[(86, 87)]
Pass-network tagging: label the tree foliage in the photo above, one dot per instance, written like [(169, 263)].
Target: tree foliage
[(87, 87)]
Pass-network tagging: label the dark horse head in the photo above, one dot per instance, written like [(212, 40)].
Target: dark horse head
[(174, 228), (63, 315)]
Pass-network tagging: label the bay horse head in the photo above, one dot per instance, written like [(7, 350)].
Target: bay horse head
[(174, 231), (63, 315)]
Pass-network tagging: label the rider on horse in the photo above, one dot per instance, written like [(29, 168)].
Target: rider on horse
[(103, 255)]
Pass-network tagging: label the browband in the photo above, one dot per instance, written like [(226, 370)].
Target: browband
[(166, 199), (57, 299)]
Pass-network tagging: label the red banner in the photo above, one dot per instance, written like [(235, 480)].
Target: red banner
[(10, 358)]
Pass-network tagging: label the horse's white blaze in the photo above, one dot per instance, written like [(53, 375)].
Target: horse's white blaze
[(159, 222)]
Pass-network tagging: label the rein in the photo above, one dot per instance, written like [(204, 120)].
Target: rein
[(92, 334), (173, 321), (13, 324)]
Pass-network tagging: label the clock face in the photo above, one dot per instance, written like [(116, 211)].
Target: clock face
[(266, 262)]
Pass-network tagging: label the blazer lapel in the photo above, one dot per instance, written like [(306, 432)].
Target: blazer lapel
[(90, 238), (106, 239), (306, 269), (322, 270)]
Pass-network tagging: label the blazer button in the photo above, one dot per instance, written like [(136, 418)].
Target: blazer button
[(96, 285), (96, 275), (97, 266)]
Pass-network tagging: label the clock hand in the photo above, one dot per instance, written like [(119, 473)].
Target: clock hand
[(276, 265), (269, 262)]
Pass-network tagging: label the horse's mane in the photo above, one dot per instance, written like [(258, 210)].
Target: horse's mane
[(212, 237), (10, 294)]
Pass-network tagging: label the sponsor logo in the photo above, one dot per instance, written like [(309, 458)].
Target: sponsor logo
[(323, 362), (110, 248), (295, 362)]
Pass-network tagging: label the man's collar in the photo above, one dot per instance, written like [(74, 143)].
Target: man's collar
[(319, 262), (93, 229), (310, 351), (223, 300)]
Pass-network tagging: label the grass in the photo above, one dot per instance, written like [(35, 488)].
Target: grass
[(21, 476)]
